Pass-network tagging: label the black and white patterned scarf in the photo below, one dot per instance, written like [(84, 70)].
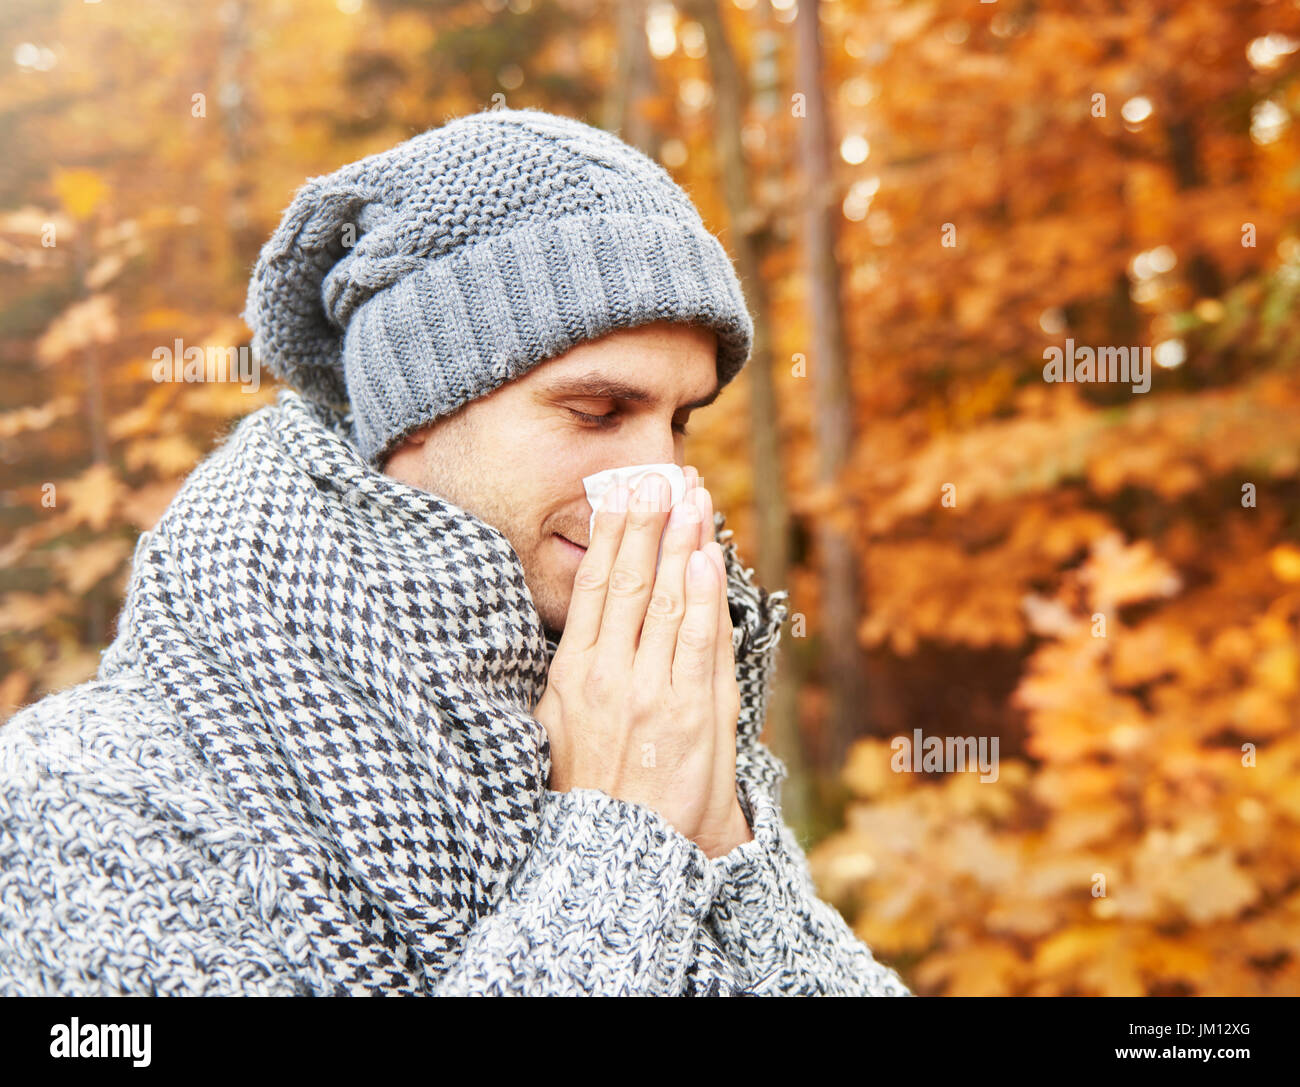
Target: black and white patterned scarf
[(357, 660)]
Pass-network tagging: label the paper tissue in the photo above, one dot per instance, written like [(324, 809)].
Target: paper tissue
[(597, 485)]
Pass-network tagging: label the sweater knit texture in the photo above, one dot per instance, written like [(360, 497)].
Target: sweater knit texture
[(307, 765), (415, 280)]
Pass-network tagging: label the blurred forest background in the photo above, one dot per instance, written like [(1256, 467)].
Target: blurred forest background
[(921, 198)]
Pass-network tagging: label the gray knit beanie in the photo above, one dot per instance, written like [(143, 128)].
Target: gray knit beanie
[(412, 281)]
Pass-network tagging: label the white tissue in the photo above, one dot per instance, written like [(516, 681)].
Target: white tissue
[(601, 482)]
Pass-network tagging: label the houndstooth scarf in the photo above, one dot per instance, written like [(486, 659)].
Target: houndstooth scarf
[(357, 660)]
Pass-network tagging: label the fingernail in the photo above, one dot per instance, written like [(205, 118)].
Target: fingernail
[(719, 560), (685, 512), (697, 568)]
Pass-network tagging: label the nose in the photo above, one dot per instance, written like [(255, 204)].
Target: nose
[(653, 443)]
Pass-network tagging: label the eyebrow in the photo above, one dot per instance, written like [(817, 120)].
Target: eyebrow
[(599, 387)]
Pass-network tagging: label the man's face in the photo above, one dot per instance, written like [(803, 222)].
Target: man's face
[(516, 458)]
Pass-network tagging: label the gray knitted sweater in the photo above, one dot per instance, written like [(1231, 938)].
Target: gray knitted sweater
[(307, 766)]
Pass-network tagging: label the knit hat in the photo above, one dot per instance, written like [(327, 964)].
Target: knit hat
[(423, 277)]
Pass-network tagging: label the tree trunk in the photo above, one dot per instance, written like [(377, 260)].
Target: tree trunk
[(841, 592), (635, 81), (782, 732)]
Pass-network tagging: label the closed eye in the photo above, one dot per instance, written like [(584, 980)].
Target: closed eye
[(609, 419)]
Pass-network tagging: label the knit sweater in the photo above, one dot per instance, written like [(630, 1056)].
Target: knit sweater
[(307, 766)]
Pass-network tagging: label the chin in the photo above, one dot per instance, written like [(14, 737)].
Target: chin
[(553, 627), (551, 595), (550, 580)]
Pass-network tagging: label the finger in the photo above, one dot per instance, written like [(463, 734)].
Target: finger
[(710, 543), (632, 576), (591, 582), (725, 661), (667, 605), (726, 700), (716, 556), (692, 475), (693, 661), (707, 542), (704, 500)]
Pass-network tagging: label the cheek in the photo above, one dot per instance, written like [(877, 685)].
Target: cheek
[(545, 461), (562, 458), (539, 482)]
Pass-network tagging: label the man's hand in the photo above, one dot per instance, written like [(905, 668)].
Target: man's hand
[(732, 826), (641, 700)]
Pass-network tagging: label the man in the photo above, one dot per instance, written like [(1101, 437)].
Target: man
[(381, 716)]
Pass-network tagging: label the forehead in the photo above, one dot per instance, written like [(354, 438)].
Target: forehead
[(660, 339), (645, 364)]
